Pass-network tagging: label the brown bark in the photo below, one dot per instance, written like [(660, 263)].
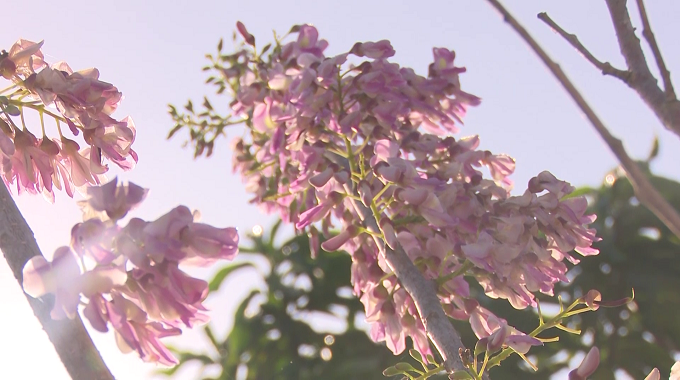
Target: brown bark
[(69, 337)]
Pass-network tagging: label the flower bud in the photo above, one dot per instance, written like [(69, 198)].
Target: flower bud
[(654, 375), (365, 193), (588, 365), (334, 243), (388, 232), (7, 68), (592, 298)]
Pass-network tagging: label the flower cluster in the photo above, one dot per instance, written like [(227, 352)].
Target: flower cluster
[(128, 276), (76, 99), (329, 141)]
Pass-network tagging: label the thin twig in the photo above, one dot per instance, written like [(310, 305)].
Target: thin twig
[(666, 108), (651, 40), (605, 67), (644, 191), (69, 336)]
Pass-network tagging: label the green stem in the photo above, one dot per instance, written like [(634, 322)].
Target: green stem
[(552, 322), (431, 372), (486, 361), (381, 192), (467, 264), (37, 107), (42, 121), (8, 88), (23, 122)]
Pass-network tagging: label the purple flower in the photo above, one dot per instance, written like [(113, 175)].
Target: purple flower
[(167, 294), (94, 239), (59, 277), (63, 278), (319, 211), (375, 50), (206, 244), (250, 39), (135, 333), (115, 200)]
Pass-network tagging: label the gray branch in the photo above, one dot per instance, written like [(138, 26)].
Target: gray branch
[(423, 292), (651, 40), (644, 190), (605, 67), (664, 103), (69, 337)]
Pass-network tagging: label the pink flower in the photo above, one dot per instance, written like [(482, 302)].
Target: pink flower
[(60, 173), (587, 366), (167, 294), (319, 211), (30, 165), (24, 58), (206, 244), (675, 371), (78, 165), (135, 332), (114, 142), (250, 39), (308, 41), (170, 225), (63, 278), (389, 329), (499, 334), (413, 327), (94, 239), (115, 200), (654, 375), (41, 277), (375, 50)]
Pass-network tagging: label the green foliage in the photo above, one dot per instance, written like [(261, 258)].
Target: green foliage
[(269, 342), (637, 252)]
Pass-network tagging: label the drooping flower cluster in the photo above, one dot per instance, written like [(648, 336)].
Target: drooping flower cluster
[(329, 140), (128, 277), (38, 164)]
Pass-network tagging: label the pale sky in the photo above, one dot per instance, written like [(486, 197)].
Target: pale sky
[(153, 52)]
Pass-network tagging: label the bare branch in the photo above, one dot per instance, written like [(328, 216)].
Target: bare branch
[(666, 108), (605, 67), (651, 40), (644, 191), (69, 337)]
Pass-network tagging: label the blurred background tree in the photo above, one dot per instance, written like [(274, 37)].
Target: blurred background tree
[(272, 337), (637, 252)]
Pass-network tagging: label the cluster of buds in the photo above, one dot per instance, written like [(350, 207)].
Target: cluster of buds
[(78, 100), (128, 277), (330, 141)]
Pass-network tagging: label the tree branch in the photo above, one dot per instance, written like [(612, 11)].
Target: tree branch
[(438, 326), (651, 40), (605, 67), (665, 106), (644, 191), (69, 337)]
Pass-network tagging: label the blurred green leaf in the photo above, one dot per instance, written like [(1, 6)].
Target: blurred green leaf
[(222, 274), (392, 371)]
